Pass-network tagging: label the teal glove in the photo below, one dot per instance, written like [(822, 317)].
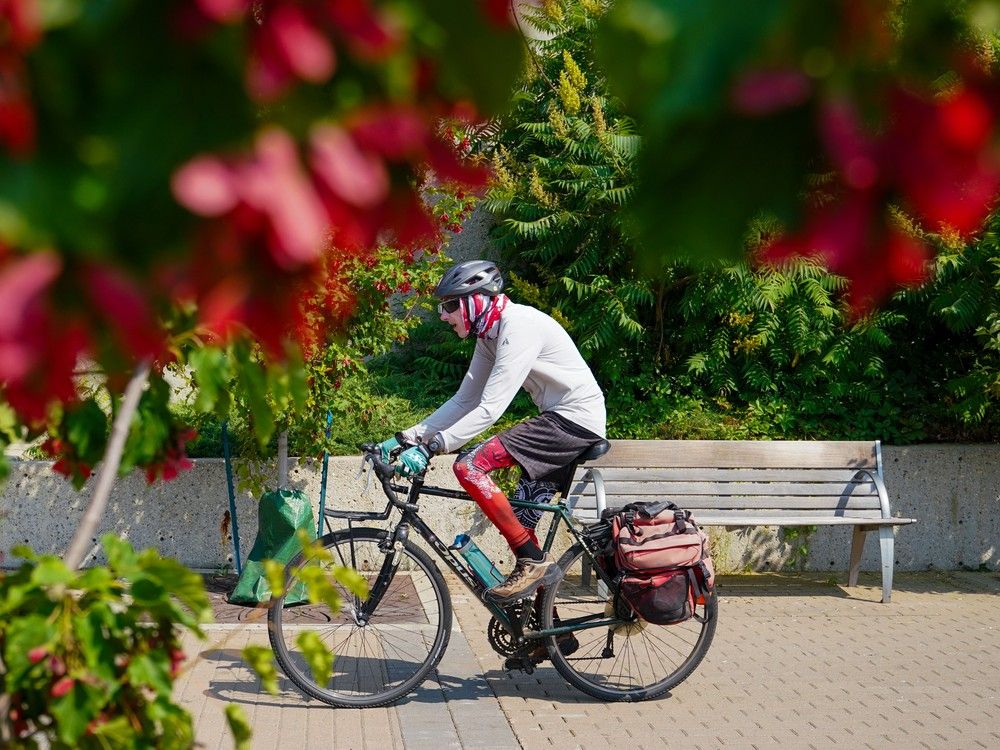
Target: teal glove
[(387, 448), (413, 461)]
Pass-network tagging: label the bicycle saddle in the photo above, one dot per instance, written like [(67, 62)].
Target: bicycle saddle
[(595, 451)]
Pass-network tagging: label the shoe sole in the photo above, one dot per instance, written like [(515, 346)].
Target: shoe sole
[(552, 576), (566, 646)]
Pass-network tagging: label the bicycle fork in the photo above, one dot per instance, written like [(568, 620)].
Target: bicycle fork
[(392, 546)]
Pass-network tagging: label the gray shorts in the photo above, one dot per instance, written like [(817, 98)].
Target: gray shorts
[(545, 445)]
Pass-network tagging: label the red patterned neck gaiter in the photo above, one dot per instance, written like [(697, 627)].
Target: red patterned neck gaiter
[(482, 314)]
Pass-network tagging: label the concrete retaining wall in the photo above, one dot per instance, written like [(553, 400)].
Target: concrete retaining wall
[(954, 491)]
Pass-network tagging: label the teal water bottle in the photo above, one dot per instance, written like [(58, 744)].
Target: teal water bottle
[(482, 567)]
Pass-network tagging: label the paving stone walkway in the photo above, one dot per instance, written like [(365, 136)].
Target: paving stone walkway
[(797, 662)]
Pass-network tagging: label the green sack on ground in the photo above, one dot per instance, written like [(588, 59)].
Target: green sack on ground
[(280, 515)]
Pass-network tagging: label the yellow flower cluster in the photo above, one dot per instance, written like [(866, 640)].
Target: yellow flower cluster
[(558, 123), (572, 82), (501, 174), (568, 95), (537, 190), (600, 126), (554, 10)]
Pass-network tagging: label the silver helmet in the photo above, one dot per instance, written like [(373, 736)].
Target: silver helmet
[(471, 276)]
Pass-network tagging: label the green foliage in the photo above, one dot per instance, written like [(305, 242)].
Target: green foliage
[(721, 349), (965, 296), (713, 162), (564, 161), (8, 435), (797, 537), (236, 718), (321, 573), (89, 657)]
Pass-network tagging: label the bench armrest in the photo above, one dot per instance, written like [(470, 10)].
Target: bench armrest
[(883, 495), (595, 476)]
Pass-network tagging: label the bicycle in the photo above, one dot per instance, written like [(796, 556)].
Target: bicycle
[(386, 645)]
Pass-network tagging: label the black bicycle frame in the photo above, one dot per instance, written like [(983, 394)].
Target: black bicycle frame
[(411, 518)]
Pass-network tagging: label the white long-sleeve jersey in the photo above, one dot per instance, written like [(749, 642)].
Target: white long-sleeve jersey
[(530, 350)]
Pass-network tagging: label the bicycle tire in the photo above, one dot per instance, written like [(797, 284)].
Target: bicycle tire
[(635, 671), (401, 626)]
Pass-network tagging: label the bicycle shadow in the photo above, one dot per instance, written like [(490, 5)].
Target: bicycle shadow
[(440, 687)]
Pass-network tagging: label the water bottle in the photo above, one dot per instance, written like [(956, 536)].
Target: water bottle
[(482, 567)]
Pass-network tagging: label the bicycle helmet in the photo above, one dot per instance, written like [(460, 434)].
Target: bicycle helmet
[(471, 276)]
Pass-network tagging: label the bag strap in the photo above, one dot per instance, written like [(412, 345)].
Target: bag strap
[(698, 582), (680, 516), (650, 509)]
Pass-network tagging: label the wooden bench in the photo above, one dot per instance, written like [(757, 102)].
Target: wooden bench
[(736, 483)]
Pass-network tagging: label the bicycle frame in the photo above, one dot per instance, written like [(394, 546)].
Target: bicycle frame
[(410, 518)]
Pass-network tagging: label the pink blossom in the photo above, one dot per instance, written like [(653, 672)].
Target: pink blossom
[(286, 46), (275, 184), (224, 10), (397, 133), (763, 92), (125, 309), (22, 283), (206, 186), (368, 34), (851, 150), (307, 51), (357, 177)]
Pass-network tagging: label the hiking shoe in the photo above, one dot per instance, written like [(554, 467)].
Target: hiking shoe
[(525, 579), (567, 643)]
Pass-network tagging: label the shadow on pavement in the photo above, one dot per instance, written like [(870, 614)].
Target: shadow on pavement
[(869, 584)]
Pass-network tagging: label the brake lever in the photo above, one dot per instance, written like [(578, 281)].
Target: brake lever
[(366, 469)]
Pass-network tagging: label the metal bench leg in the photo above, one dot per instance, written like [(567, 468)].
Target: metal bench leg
[(886, 540), (857, 547)]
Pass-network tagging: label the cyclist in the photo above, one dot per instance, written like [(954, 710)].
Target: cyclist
[(517, 346)]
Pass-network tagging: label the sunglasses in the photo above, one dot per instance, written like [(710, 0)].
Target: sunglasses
[(449, 306)]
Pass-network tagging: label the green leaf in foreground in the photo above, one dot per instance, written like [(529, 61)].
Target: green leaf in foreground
[(239, 726), (317, 655), (275, 573), (261, 661)]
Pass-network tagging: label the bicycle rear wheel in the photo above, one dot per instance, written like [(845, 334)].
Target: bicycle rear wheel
[(632, 661), (381, 660)]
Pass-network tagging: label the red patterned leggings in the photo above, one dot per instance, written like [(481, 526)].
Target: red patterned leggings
[(473, 471)]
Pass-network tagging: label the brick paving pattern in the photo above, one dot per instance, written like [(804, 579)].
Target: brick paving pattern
[(797, 662)]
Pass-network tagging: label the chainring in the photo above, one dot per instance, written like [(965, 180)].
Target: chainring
[(501, 640)]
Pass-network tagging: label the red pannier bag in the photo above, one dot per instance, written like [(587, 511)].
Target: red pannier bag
[(662, 557)]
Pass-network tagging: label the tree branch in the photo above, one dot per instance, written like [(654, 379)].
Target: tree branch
[(109, 467), (283, 459)]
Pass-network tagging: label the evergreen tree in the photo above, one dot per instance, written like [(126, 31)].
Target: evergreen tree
[(564, 159)]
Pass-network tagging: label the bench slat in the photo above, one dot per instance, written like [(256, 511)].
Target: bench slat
[(753, 502), (718, 519), (842, 476), (827, 489), (738, 454)]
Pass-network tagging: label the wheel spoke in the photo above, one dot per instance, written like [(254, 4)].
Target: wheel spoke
[(647, 660), (393, 652)]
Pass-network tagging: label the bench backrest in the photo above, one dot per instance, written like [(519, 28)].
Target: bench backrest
[(737, 477)]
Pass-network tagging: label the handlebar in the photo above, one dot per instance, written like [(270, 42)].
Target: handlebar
[(385, 473)]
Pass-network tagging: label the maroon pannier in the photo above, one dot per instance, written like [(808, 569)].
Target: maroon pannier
[(664, 568)]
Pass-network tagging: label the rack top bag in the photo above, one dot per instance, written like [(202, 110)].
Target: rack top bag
[(656, 537), (664, 569)]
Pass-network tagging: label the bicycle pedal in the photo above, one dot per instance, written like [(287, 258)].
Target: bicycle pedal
[(514, 664)]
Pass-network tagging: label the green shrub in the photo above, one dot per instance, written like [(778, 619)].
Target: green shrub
[(90, 657)]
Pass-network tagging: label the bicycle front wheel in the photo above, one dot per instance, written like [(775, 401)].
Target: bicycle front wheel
[(379, 660), (631, 660)]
